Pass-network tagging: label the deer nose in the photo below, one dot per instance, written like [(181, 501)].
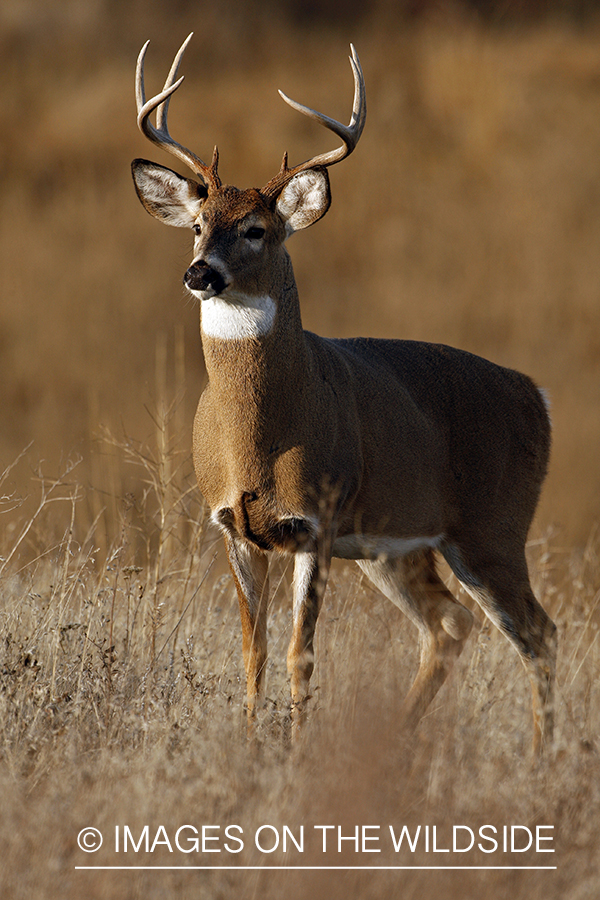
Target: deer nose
[(202, 277)]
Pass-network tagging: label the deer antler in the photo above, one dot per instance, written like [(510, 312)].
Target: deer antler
[(350, 134), (160, 135)]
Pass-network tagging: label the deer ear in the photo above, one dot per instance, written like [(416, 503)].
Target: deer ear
[(304, 199), (166, 195)]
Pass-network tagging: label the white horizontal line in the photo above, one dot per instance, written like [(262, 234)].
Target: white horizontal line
[(313, 868)]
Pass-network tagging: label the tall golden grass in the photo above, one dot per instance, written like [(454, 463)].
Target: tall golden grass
[(468, 215), (121, 706)]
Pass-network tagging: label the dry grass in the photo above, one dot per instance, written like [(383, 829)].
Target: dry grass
[(468, 215), (121, 704)]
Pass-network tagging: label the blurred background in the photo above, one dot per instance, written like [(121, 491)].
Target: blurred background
[(469, 215)]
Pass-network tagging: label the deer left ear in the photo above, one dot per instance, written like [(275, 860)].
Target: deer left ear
[(304, 199)]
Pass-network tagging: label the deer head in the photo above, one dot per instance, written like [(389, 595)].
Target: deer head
[(239, 233)]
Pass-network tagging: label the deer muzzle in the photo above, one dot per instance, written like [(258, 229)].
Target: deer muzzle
[(202, 277)]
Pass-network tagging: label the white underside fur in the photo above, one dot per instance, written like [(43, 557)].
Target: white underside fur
[(372, 546)]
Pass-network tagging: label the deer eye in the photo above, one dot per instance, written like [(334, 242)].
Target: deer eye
[(197, 229), (255, 233)]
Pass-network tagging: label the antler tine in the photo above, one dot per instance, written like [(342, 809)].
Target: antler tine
[(160, 102), (163, 108), (350, 134)]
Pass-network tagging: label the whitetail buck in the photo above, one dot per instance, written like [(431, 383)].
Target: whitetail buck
[(383, 451)]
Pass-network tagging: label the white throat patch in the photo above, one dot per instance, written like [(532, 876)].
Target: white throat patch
[(237, 317)]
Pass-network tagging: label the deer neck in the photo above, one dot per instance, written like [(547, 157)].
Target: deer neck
[(254, 347)]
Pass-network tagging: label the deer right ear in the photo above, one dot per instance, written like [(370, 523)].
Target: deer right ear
[(166, 195), (304, 199)]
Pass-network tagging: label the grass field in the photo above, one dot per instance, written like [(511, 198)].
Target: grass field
[(121, 705), (469, 215)]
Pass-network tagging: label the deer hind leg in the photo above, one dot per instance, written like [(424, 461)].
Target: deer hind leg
[(310, 579), (412, 583), (250, 572), (501, 587)]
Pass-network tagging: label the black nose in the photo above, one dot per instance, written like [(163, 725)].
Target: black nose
[(202, 277)]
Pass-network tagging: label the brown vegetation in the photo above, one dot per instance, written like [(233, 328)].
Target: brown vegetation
[(121, 704), (470, 215)]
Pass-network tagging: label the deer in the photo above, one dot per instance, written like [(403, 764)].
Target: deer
[(389, 452)]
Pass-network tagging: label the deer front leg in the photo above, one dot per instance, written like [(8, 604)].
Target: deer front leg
[(310, 579), (250, 572)]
